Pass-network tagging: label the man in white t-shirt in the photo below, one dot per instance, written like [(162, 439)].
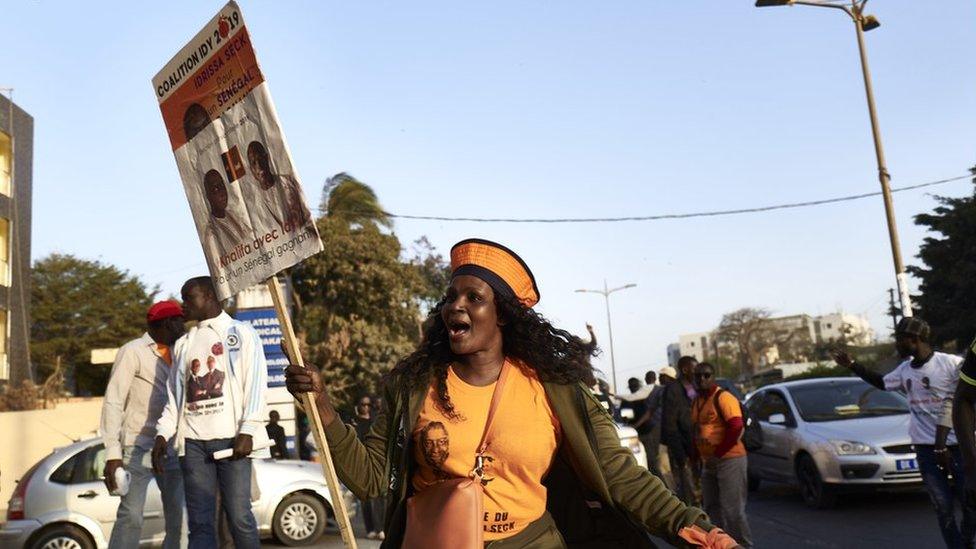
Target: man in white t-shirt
[(929, 379), (216, 402)]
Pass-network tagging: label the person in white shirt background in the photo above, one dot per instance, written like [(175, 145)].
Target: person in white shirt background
[(929, 379), (232, 418), (134, 399)]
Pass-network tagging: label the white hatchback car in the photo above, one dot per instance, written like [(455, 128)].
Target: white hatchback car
[(62, 503)]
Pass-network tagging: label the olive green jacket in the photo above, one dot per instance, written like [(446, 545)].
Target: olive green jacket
[(382, 463)]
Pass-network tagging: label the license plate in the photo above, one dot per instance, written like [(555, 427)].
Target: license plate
[(906, 465)]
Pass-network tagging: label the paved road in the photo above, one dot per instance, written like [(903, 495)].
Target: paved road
[(779, 519), (332, 540)]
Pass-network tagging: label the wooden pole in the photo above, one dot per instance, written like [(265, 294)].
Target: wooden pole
[(308, 403)]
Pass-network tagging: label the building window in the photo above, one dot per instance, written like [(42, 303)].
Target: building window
[(4, 252), (4, 363), (829, 326), (6, 163)]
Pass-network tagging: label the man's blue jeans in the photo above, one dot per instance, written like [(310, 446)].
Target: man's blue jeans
[(944, 496), (202, 477), (128, 522)]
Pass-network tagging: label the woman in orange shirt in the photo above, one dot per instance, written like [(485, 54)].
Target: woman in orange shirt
[(554, 472)]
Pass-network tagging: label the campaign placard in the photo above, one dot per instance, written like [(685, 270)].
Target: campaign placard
[(243, 190)]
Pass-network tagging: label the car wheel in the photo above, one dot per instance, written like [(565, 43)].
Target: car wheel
[(299, 520), (62, 536), (816, 494), (754, 483)]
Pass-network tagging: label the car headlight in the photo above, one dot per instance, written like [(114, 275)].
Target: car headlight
[(851, 448), (633, 443)]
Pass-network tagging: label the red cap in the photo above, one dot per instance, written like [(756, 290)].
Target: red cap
[(164, 309)]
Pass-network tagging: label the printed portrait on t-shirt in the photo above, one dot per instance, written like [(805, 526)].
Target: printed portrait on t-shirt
[(436, 445), (207, 412), (214, 379), (486, 461), (195, 389)]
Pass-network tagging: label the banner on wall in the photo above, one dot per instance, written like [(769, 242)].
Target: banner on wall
[(265, 322)]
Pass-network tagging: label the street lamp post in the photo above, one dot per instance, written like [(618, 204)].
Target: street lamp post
[(864, 23), (606, 297)]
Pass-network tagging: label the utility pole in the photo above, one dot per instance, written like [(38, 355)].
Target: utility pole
[(605, 292), (893, 310), (862, 23)]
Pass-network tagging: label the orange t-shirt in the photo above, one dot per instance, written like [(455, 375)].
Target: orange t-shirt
[(164, 353), (521, 448), (709, 425)]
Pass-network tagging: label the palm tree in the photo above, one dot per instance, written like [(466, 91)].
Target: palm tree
[(345, 201), (347, 198)]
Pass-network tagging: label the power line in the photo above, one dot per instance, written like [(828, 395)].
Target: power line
[(714, 213)]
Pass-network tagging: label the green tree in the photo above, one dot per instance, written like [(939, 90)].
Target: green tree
[(78, 305), (361, 303), (750, 333), (824, 369), (947, 297), (350, 200), (434, 272), (725, 367)]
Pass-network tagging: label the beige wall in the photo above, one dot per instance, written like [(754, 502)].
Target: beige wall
[(26, 437)]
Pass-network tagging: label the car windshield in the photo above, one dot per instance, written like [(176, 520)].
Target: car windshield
[(845, 399)]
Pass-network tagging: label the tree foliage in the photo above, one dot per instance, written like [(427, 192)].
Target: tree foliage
[(748, 331), (361, 304), (751, 335), (947, 298), (433, 270), (824, 369), (880, 358), (725, 367), (348, 199), (78, 305)]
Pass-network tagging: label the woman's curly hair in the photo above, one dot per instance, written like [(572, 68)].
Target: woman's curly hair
[(555, 355)]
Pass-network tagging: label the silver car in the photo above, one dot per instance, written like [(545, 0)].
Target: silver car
[(62, 503), (830, 435)]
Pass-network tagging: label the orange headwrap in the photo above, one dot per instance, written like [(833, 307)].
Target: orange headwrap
[(500, 267)]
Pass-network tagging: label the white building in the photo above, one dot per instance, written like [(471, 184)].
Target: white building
[(811, 329), (854, 328), (700, 345)]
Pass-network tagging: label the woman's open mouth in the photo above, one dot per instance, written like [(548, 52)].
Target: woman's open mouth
[(457, 329)]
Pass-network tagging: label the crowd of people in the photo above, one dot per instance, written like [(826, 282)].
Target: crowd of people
[(700, 426), (496, 400)]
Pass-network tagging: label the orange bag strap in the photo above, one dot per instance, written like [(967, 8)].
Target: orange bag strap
[(496, 397)]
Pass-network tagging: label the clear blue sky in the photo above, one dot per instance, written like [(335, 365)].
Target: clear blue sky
[(534, 109)]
